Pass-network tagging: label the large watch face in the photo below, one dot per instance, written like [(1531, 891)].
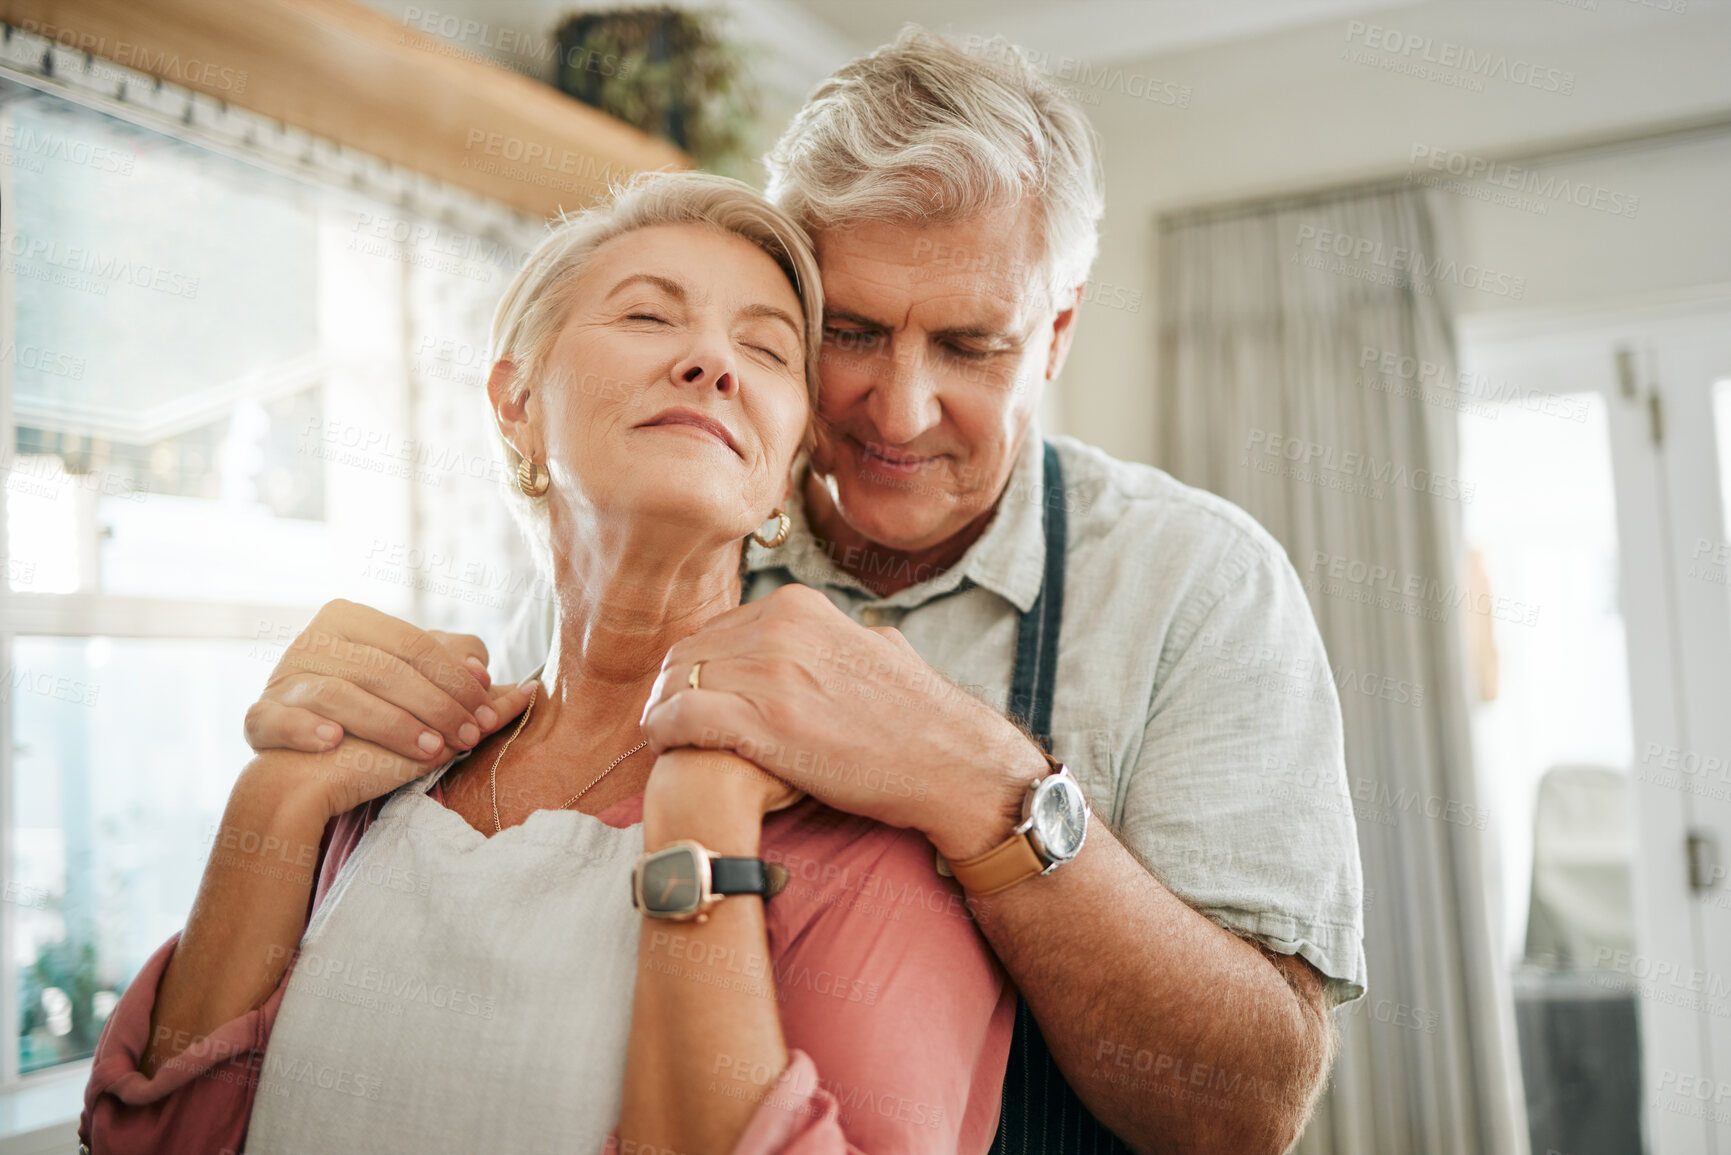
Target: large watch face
[(668, 882), (1060, 817)]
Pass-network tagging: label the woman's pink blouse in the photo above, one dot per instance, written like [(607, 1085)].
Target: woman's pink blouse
[(896, 1014)]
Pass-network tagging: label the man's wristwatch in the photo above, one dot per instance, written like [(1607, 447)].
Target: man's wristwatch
[(1053, 827), (683, 880)]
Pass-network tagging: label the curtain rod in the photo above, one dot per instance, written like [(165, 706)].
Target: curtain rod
[(1648, 136)]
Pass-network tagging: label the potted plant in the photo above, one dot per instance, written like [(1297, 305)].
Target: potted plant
[(667, 71)]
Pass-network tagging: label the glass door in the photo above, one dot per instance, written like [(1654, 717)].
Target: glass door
[(1553, 729), (1602, 727)]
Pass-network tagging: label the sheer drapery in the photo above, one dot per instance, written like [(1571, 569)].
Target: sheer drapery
[(1307, 374)]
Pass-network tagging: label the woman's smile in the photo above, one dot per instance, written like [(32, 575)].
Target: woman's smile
[(680, 419)]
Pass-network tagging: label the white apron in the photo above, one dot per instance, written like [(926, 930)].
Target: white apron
[(458, 993)]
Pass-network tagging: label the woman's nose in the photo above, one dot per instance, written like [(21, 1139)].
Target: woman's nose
[(708, 368)]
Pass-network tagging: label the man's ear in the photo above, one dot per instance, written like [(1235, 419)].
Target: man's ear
[(1063, 332), (511, 410)]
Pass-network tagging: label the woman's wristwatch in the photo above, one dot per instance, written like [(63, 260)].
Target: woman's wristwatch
[(683, 880), (1053, 827)]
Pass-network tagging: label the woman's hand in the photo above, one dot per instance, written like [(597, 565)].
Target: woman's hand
[(714, 796)]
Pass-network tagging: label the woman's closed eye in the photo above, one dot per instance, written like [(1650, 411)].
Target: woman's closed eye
[(769, 341), (778, 357)]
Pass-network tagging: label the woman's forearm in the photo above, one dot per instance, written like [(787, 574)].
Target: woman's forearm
[(250, 910), (706, 1041)]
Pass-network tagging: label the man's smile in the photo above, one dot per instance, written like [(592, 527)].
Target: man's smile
[(900, 463)]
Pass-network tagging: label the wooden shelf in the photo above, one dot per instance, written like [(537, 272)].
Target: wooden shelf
[(344, 72)]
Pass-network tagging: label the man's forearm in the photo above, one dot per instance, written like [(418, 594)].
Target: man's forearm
[(1100, 949), (1177, 1034), (248, 916)]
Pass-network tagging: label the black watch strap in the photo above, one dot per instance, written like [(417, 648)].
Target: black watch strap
[(745, 876), (737, 876)]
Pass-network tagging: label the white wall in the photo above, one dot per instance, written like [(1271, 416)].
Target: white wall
[(1286, 112), (1678, 238)]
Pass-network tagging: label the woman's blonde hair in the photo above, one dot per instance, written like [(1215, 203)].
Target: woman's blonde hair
[(531, 313)]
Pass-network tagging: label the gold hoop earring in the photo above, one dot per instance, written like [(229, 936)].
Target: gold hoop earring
[(532, 478), (784, 526)]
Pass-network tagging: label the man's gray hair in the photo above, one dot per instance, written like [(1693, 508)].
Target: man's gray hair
[(532, 312), (923, 130)]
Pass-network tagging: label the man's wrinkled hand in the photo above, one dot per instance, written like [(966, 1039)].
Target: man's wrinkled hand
[(422, 694), (851, 715), (336, 780)]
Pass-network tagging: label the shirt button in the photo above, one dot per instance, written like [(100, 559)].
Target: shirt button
[(869, 616)]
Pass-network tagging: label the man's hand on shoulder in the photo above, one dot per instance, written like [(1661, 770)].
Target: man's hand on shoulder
[(354, 672), (331, 782), (849, 714)]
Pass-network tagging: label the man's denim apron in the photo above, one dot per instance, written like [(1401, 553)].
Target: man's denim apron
[(1042, 1115)]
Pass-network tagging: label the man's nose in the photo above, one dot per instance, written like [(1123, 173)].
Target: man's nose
[(904, 402), (709, 364)]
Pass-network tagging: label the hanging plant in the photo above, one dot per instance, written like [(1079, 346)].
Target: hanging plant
[(666, 71)]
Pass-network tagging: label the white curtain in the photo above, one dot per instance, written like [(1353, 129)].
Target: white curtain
[(1283, 388)]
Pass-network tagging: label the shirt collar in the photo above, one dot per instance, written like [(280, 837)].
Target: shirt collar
[(1009, 558)]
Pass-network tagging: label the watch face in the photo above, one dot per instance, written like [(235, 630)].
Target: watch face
[(668, 882), (1060, 817)]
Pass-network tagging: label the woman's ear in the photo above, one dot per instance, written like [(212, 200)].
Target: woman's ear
[(512, 410)]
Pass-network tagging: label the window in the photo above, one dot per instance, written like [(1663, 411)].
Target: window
[(232, 394)]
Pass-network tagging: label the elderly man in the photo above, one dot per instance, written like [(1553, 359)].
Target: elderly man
[(1182, 909)]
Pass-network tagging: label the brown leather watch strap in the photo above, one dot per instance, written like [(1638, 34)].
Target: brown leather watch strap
[(1003, 866)]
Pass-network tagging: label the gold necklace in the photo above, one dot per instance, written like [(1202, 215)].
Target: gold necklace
[(493, 774)]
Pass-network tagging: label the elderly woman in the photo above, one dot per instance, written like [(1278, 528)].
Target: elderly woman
[(556, 940)]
